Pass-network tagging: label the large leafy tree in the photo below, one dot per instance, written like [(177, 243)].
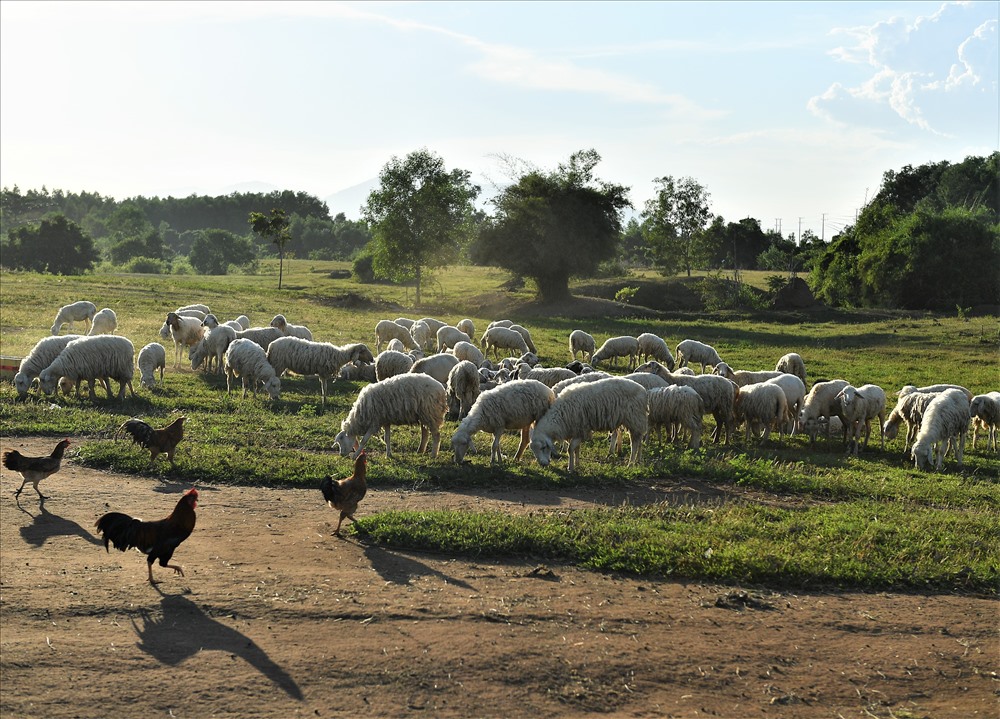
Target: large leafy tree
[(419, 216), (673, 221), (274, 227), (551, 226), (55, 245), (213, 251)]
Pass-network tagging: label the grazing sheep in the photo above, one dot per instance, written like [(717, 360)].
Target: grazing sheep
[(437, 366), (761, 405), (821, 402), (468, 351), (945, 421), (792, 364), (434, 324), (985, 411), (89, 358), (203, 309), (396, 346), (81, 311), (391, 363), (594, 376), (104, 322), (40, 357), (198, 314), (617, 347), (858, 407), (526, 336), (403, 399), (212, 347), (585, 408), (744, 377), (718, 394), (910, 409), (499, 323), (467, 326), (653, 347), (502, 338), (152, 357), (404, 322), (463, 388), (549, 376), (260, 336), (579, 367), (359, 372), (246, 359), (695, 351), (386, 330), (933, 388), (243, 321), (448, 337), (307, 358), (517, 404), (185, 331), (648, 380), (423, 336), (582, 343), (290, 330), (676, 407), (795, 394)]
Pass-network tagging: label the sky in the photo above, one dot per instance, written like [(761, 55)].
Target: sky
[(786, 112)]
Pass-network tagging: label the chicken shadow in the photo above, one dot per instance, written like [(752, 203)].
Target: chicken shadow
[(401, 570), (158, 637), (46, 525)]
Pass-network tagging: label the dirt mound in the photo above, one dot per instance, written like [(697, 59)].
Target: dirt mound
[(796, 295), (354, 301)]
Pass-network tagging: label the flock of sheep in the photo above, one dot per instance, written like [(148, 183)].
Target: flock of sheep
[(429, 369)]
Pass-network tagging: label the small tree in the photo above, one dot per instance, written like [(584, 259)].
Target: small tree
[(56, 245), (419, 216), (275, 228), (673, 221)]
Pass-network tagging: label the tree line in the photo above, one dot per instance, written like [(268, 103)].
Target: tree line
[(929, 239)]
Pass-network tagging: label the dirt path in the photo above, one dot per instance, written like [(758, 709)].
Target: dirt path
[(277, 618)]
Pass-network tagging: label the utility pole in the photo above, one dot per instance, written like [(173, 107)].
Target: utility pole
[(799, 240), (822, 235), (777, 225)]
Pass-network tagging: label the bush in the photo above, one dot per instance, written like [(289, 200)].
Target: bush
[(146, 266)]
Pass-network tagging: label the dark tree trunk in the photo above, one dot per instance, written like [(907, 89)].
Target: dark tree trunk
[(553, 288)]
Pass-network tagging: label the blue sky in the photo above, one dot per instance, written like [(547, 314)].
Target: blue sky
[(786, 112)]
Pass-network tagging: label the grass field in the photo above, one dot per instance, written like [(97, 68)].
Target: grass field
[(813, 516)]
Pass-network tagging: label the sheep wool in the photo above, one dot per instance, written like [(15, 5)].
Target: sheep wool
[(40, 357), (514, 405), (307, 358), (261, 336), (761, 406), (718, 394), (87, 358), (185, 331), (594, 376), (81, 311), (582, 343), (412, 399), (985, 410), (549, 376), (463, 388), (246, 359), (212, 348), (742, 378), (691, 351), (821, 402), (616, 347), (448, 337), (391, 363), (104, 322), (859, 406), (502, 338), (290, 330), (468, 351), (675, 408), (653, 347), (437, 366), (946, 420), (582, 409), (792, 363), (151, 358)]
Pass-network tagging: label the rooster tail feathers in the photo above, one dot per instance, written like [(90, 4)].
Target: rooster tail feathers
[(141, 431), (330, 490), (12, 460), (118, 529)]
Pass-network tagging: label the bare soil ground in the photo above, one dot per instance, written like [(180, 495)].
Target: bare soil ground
[(277, 618)]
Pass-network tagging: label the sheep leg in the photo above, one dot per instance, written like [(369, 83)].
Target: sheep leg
[(423, 440), (525, 439), (322, 390), (574, 453), (435, 442), (388, 446), (635, 440), (495, 457)]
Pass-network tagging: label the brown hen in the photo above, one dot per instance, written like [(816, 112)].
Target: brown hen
[(345, 494)]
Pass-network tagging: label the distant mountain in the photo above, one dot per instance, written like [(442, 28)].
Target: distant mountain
[(350, 200)]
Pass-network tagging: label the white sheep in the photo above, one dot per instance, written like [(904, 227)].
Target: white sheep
[(403, 399), (90, 358), (594, 376), (858, 407), (616, 347), (198, 314), (185, 331), (526, 336), (582, 343), (104, 322), (260, 336), (196, 308), (985, 410), (499, 323), (676, 407), (653, 347), (463, 387), (907, 389), (502, 338), (433, 323), (386, 330), (695, 351), (585, 408), (761, 405), (211, 348), (40, 357), (742, 378), (549, 376), (945, 421), (648, 380), (792, 363), (467, 326), (468, 351), (448, 337), (246, 359), (243, 321), (423, 335), (390, 363), (517, 404), (81, 311), (307, 358), (290, 330), (437, 366), (404, 322), (359, 372), (152, 357), (795, 394), (910, 410), (718, 394), (396, 346), (821, 402)]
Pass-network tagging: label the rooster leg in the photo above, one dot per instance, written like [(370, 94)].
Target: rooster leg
[(341, 521), (42, 496), (18, 492)]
